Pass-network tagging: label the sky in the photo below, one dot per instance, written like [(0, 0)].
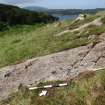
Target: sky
[(58, 4)]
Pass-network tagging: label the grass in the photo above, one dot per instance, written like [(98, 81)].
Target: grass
[(86, 89), (96, 30), (77, 23), (24, 42), (103, 20)]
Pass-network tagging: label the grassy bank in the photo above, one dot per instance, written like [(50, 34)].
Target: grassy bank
[(24, 42), (86, 89)]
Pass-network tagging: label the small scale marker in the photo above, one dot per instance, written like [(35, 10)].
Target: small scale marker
[(48, 86), (64, 84), (33, 88)]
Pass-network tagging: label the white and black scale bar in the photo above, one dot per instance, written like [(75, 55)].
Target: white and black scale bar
[(49, 86)]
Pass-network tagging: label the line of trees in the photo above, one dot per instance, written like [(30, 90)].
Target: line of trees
[(12, 15), (74, 11)]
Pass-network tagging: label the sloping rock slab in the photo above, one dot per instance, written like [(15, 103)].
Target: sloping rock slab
[(58, 66)]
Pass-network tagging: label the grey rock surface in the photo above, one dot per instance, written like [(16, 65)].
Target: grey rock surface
[(58, 66)]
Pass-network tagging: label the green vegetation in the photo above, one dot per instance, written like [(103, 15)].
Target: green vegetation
[(3, 26), (78, 23), (12, 15), (86, 89), (20, 43), (103, 20), (24, 42), (96, 30)]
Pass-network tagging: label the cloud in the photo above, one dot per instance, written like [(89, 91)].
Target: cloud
[(16, 2)]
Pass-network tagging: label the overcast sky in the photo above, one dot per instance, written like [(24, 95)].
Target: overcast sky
[(84, 4)]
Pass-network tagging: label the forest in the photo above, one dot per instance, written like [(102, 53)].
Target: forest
[(12, 15)]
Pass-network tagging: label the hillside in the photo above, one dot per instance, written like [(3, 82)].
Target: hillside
[(24, 42), (12, 15), (58, 51)]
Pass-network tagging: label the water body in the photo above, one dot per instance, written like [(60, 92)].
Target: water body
[(65, 17)]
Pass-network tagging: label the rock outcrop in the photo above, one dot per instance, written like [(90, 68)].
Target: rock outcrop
[(96, 22), (58, 66)]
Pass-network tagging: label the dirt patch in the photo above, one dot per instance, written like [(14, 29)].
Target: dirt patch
[(86, 75)]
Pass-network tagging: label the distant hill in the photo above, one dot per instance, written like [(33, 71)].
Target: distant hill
[(74, 11), (64, 11), (12, 15), (36, 8)]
